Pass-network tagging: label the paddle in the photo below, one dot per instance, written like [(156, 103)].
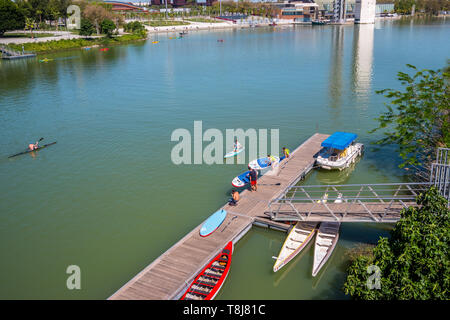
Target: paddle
[(229, 223), (270, 184)]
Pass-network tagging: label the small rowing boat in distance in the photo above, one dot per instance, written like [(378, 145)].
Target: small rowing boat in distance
[(209, 281), (28, 151)]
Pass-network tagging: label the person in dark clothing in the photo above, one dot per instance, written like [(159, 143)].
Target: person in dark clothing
[(253, 178)]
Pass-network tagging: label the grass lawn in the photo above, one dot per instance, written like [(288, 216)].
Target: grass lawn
[(205, 20), (64, 44), (165, 23), (27, 35)]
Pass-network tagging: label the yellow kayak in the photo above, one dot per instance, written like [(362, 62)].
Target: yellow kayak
[(45, 60)]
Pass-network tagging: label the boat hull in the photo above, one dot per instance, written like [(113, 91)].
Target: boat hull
[(298, 238), (211, 279), (326, 240), (342, 163)]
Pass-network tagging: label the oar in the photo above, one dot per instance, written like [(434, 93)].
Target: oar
[(229, 223), (270, 184)]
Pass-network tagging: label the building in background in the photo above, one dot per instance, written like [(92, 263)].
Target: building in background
[(365, 11), (124, 6), (179, 3), (384, 8), (326, 9), (340, 11), (303, 11)]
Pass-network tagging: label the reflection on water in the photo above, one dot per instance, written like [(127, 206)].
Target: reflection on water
[(336, 61), (336, 176), (362, 61)]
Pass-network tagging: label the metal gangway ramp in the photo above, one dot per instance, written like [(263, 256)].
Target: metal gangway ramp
[(380, 202)]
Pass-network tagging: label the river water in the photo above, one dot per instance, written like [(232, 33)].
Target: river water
[(108, 198)]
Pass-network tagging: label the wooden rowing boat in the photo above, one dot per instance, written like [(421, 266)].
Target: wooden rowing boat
[(209, 281), (326, 240), (297, 239)]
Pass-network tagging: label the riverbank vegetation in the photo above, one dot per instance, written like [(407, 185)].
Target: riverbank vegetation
[(417, 120), (413, 263), (66, 44), (431, 7)]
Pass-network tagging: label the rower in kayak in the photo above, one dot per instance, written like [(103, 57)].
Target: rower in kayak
[(33, 146)]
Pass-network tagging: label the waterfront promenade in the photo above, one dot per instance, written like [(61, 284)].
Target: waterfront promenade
[(170, 274)]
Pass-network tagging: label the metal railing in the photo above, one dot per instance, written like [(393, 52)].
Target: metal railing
[(440, 173), (372, 202)]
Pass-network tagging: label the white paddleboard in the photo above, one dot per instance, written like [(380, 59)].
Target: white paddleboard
[(261, 163), (233, 153)]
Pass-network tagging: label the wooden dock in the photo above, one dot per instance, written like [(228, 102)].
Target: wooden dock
[(171, 273)]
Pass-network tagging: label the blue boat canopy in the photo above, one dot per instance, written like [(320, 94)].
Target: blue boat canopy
[(339, 140)]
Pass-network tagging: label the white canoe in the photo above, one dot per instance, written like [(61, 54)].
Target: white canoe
[(233, 153), (297, 239), (261, 163), (326, 240)]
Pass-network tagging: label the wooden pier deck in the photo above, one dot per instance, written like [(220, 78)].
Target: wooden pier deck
[(171, 273)]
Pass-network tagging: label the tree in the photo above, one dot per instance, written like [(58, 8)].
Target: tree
[(414, 262), (108, 27), (96, 14), (420, 116), (30, 24), (11, 18), (86, 28)]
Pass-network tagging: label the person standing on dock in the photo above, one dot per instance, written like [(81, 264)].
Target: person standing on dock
[(253, 178), (286, 152)]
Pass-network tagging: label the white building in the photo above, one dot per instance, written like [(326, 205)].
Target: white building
[(365, 11)]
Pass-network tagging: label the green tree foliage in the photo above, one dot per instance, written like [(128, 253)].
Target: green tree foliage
[(86, 28), (134, 27), (427, 6), (11, 17), (414, 261), (419, 116), (108, 27)]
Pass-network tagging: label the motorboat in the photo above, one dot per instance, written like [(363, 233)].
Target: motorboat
[(339, 151)]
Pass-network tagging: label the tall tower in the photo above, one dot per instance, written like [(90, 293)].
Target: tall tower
[(340, 9), (365, 11)]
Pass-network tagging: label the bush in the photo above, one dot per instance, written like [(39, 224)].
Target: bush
[(414, 262), (108, 27), (87, 28), (134, 27)]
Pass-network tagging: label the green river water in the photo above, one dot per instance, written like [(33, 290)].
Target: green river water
[(107, 196)]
